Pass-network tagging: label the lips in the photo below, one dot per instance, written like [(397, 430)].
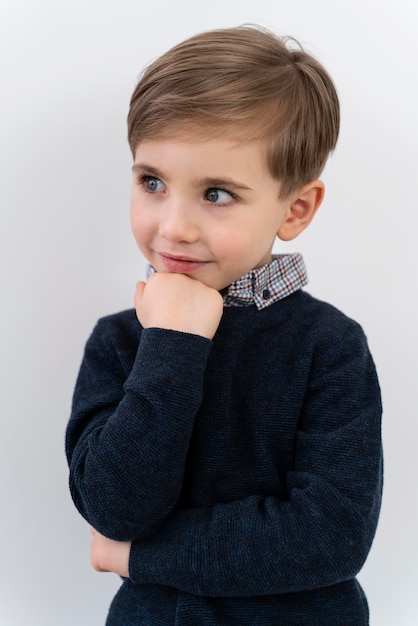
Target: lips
[(181, 265)]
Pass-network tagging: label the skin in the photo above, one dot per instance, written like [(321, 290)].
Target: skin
[(203, 213)]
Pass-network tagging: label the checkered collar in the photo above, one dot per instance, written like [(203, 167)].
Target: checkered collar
[(285, 274), (265, 285)]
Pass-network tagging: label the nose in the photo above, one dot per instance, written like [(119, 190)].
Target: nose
[(179, 222)]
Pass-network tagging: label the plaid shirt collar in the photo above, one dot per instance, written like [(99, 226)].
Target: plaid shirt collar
[(285, 274), (265, 285)]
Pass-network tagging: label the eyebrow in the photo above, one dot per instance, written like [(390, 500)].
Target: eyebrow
[(222, 182), (142, 167), (208, 181)]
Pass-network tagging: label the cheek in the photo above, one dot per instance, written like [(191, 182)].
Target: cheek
[(141, 226), (237, 238), (228, 243)]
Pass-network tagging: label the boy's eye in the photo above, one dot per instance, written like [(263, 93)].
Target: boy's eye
[(218, 196), (152, 184)]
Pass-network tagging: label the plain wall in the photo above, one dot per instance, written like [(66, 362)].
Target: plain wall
[(67, 257)]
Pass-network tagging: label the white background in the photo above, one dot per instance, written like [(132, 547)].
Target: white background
[(67, 70)]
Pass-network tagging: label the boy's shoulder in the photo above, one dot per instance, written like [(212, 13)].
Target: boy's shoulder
[(317, 328), (302, 309), (125, 318), (324, 310), (121, 328)]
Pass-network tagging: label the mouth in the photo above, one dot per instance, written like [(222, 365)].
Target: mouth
[(181, 265)]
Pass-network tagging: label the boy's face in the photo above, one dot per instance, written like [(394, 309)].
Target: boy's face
[(208, 209)]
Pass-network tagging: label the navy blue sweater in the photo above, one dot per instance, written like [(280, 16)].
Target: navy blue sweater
[(246, 469)]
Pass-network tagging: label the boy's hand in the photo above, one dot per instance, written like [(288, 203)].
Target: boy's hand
[(107, 555), (177, 302)]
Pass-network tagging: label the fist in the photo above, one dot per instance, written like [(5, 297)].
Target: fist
[(107, 555), (178, 302)]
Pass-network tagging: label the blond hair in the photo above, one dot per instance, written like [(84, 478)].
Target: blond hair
[(249, 83)]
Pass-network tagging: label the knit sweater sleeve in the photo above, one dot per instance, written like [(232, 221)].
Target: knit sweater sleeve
[(127, 438), (321, 533)]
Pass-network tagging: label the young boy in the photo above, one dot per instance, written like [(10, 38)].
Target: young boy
[(224, 443)]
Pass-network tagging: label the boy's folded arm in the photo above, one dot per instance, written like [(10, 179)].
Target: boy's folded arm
[(260, 546), (127, 444), (319, 535)]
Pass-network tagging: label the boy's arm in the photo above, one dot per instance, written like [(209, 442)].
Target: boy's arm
[(128, 437), (317, 537)]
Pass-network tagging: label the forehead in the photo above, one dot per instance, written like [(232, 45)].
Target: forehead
[(203, 148), (232, 139)]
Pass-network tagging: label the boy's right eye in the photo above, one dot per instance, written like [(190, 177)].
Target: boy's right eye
[(152, 184)]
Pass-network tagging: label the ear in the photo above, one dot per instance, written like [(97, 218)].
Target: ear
[(302, 209)]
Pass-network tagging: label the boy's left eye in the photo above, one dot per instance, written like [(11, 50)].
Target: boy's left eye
[(218, 196), (151, 184)]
